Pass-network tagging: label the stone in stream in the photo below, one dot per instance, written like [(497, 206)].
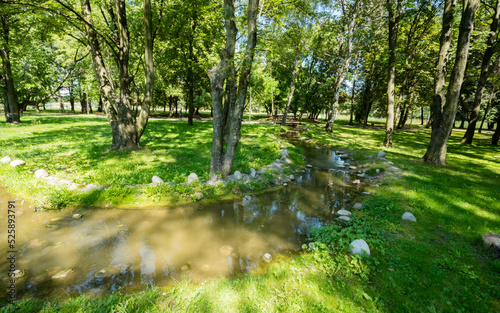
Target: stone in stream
[(358, 206), (107, 272), (361, 174), (343, 212), (157, 180), (6, 159), (191, 178), (381, 154), (18, 273), (309, 166), (493, 240), (291, 177), (359, 247), (267, 257), (352, 167), (253, 173), (356, 182), (285, 159), (62, 274), (17, 163), (41, 173), (76, 216), (409, 217)]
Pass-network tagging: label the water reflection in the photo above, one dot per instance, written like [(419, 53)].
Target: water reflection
[(130, 249)]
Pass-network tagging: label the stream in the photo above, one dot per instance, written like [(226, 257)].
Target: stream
[(102, 251)]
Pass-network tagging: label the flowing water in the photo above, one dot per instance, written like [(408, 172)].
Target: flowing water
[(59, 255)]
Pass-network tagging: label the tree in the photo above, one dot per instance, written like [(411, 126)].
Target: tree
[(222, 161), (485, 70), (444, 109)]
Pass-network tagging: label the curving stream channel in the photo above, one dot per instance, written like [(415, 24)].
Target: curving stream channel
[(104, 250)]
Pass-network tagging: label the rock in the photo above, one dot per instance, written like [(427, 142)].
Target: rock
[(253, 173), (16, 163), (286, 159), (285, 184), (356, 182), (284, 153), (340, 166), (246, 200), (381, 154), (344, 218), (291, 177), (343, 212), (18, 273), (191, 178), (365, 193), (267, 257), (377, 171), (343, 156), (237, 175), (394, 169), (409, 217), (359, 247), (73, 186), (157, 180), (226, 250), (352, 167), (309, 166), (52, 180), (361, 174), (41, 173), (65, 182), (198, 196), (89, 187), (62, 274), (106, 272), (339, 163), (492, 239), (358, 206), (6, 159), (76, 216)]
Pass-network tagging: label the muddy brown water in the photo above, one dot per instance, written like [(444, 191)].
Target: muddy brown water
[(107, 250)]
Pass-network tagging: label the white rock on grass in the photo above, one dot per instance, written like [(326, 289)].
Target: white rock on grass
[(358, 206), (359, 247), (89, 187), (344, 218), (6, 159), (267, 257), (16, 163), (253, 173), (52, 180), (191, 178), (157, 180), (41, 173), (492, 239), (237, 175), (409, 217), (381, 154), (365, 193), (198, 196), (343, 212)]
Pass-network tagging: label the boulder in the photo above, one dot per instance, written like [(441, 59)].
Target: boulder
[(284, 153), (157, 180), (358, 206), (343, 212), (493, 240), (409, 217), (191, 178), (344, 218), (198, 196), (253, 173), (237, 175), (16, 163), (359, 247), (41, 173), (381, 154), (6, 159), (267, 257)]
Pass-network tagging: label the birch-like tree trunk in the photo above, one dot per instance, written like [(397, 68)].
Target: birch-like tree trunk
[(446, 109), (292, 90)]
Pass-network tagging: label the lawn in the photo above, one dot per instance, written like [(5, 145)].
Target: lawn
[(437, 264)]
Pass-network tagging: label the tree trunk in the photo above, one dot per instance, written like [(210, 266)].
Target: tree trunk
[(485, 69), (190, 72), (99, 107), (353, 90), (496, 135), (10, 94), (393, 38), (61, 104), (72, 100), (83, 103), (492, 95), (292, 90), (445, 109)]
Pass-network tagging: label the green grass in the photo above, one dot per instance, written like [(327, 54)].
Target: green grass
[(73, 148), (435, 265)]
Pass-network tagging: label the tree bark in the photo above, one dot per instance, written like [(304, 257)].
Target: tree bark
[(292, 90), (485, 69), (492, 95), (190, 72), (393, 38), (61, 104), (445, 109), (10, 95), (496, 135)]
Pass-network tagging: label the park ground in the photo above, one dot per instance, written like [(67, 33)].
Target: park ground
[(435, 265)]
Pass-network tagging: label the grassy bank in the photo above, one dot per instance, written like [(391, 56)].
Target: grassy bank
[(73, 148), (434, 265)]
